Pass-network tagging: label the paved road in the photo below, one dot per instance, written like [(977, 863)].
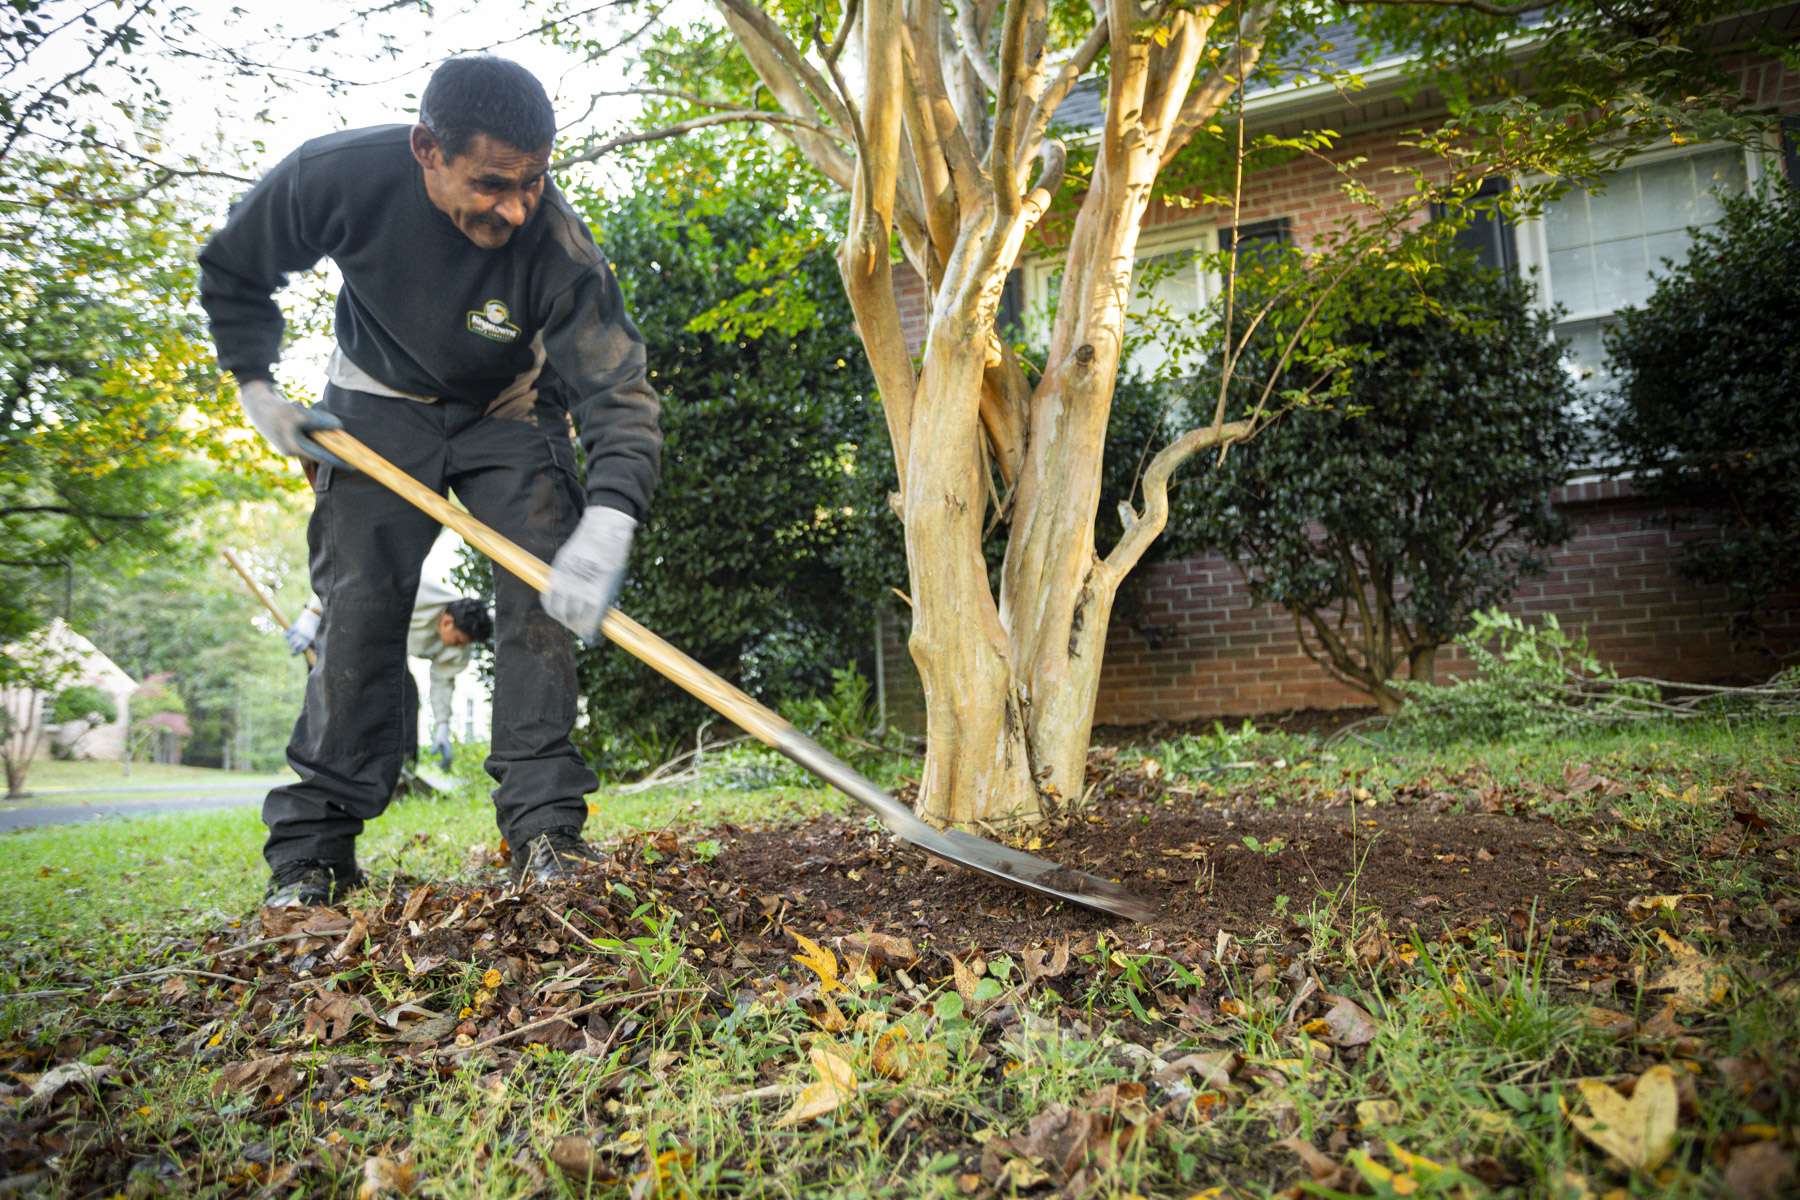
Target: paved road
[(63, 814)]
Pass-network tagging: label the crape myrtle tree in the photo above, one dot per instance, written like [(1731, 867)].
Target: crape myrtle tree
[(938, 121), (1705, 414), (1412, 491)]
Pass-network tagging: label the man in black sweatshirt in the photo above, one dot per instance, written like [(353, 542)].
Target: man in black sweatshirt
[(473, 299)]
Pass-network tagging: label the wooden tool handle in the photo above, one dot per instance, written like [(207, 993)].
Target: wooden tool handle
[(744, 711), (268, 601)]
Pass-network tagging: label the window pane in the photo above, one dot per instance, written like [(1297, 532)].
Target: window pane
[(1672, 246), (1572, 278), (1621, 273), (1618, 211), (1167, 299), (1566, 222), (1606, 248)]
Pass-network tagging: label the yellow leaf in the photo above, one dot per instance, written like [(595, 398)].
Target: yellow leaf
[(965, 979), (652, 1179), (1416, 1164), (832, 1020), (820, 962), (1638, 1133), (491, 980), (1643, 908), (1377, 1112), (835, 1085)]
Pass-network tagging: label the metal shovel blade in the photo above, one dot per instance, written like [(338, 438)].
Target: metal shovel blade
[(964, 849)]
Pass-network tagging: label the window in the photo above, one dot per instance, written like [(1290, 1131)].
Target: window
[(1598, 252), (1170, 288)]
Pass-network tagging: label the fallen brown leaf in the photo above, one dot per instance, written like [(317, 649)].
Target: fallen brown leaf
[(1349, 1024), (384, 1176), (1325, 1170), (1760, 1171)]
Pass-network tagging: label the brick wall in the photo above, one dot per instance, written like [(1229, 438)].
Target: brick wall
[(1193, 644), (1201, 647)]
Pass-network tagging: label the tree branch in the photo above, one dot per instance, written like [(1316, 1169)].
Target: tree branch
[(1204, 101), (1489, 7), (1043, 111), (754, 116), (1146, 526), (70, 510), (973, 47)]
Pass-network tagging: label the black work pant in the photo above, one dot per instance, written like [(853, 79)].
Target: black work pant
[(367, 547)]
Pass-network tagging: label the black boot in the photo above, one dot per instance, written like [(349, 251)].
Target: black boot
[(553, 857), (310, 884)]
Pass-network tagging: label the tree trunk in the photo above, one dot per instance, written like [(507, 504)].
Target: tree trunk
[(977, 760), (1421, 663)]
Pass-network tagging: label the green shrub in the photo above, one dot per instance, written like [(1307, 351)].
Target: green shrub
[(1528, 681), (1705, 414), (1411, 489)]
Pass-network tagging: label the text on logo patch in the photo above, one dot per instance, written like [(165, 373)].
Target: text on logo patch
[(493, 321)]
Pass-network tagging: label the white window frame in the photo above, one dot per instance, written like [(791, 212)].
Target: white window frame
[(1532, 240), (1202, 237)]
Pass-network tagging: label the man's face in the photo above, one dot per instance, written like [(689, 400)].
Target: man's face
[(488, 190), (447, 630)]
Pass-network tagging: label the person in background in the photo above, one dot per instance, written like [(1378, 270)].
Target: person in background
[(444, 631)]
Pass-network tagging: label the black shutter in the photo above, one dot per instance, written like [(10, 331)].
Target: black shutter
[(1012, 303), (1256, 236), (1489, 236), (1790, 148)]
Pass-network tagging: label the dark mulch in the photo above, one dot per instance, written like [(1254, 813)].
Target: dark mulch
[(1193, 863)]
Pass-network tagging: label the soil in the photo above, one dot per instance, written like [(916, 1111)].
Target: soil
[(1439, 870)]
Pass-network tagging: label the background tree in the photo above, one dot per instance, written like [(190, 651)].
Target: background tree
[(943, 144), (1705, 415), (113, 425), (180, 611), (1414, 490), (37, 667)]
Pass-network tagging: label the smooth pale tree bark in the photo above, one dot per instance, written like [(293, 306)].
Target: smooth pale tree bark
[(943, 143)]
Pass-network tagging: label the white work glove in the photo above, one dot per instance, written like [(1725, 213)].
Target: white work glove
[(440, 745), (587, 571), (303, 632), (285, 425)]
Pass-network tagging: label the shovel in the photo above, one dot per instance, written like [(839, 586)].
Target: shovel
[(953, 845)]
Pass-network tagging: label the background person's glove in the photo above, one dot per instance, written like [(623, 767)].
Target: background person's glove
[(587, 571), (303, 632), (440, 745), (285, 425)]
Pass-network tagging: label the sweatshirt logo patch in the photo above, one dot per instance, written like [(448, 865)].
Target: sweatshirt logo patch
[(493, 321)]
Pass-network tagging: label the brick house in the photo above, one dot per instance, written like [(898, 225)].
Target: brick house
[(1197, 646)]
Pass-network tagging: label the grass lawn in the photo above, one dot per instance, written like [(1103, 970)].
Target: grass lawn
[(1593, 991)]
